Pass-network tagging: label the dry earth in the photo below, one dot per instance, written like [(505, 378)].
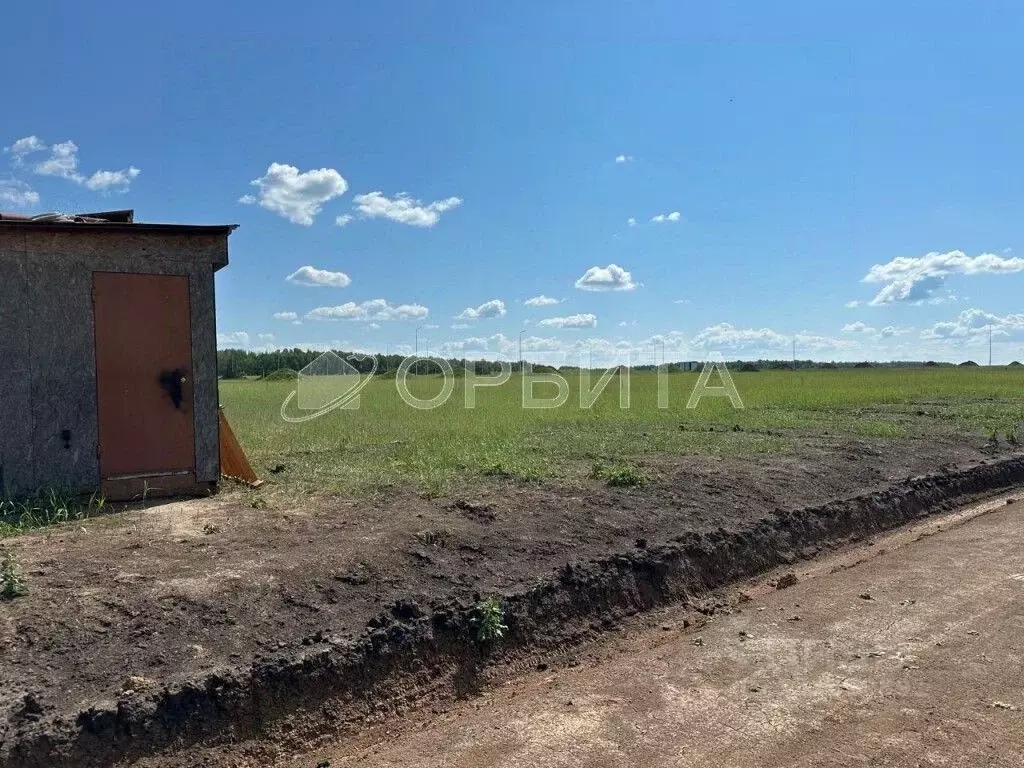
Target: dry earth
[(146, 628)]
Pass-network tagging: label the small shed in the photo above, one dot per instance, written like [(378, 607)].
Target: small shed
[(108, 355)]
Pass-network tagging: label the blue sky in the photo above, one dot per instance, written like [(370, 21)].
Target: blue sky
[(802, 159)]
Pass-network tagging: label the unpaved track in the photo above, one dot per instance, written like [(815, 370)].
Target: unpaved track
[(928, 671)]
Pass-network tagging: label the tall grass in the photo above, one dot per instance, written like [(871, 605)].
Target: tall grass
[(52, 507), (386, 443)]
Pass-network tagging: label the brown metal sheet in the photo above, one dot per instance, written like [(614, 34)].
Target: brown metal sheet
[(143, 360)]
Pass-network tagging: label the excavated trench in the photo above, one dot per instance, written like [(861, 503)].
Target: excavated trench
[(416, 651)]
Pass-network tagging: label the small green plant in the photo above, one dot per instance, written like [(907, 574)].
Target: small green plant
[(619, 475), (489, 620), (258, 502), (432, 538), (12, 583), (1011, 436)]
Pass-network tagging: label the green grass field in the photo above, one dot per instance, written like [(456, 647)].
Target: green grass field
[(385, 443)]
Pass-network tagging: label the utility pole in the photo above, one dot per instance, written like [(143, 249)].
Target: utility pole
[(418, 339), (521, 348)]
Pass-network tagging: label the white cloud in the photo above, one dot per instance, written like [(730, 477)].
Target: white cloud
[(17, 194), (25, 146), (286, 316), (368, 311), (666, 218), (727, 336), (474, 343), (404, 209), (298, 197), (852, 304), (63, 162), (105, 181), (265, 336), (233, 339), (317, 278), (460, 326), (918, 279), (976, 323), (857, 327), (541, 301), (586, 320), (610, 278), (624, 159), (631, 222), (489, 309), (343, 220)]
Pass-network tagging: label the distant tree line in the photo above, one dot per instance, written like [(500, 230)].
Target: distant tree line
[(240, 363)]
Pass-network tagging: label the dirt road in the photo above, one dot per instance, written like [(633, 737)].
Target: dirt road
[(914, 657)]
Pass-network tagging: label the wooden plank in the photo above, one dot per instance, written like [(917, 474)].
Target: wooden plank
[(233, 461)]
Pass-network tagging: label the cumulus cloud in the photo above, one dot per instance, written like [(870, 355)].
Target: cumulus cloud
[(473, 343), (976, 322), (106, 181), (297, 196), (610, 278), (666, 218), (489, 309), (908, 279), (857, 327), (727, 336), (541, 301), (631, 222), (233, 339), (318, 278), (403, 208), (63, 163), (586, 320), (17, 194), (892, 330), (25, 146), (343, 220), (286, 316), (375, 310), (624, 159)]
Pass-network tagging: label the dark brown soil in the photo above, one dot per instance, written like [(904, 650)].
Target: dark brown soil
[(213, 621)]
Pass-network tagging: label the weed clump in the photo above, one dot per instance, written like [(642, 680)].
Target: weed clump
[(619, 475), (12, 583), (489, 620)]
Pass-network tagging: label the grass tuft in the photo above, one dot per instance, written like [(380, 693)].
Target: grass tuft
[(12, 583)]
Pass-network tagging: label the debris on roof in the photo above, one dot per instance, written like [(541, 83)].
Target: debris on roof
[(105, 220), (104, 217)]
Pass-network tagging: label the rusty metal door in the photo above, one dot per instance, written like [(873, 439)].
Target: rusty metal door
[(143, 374)]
